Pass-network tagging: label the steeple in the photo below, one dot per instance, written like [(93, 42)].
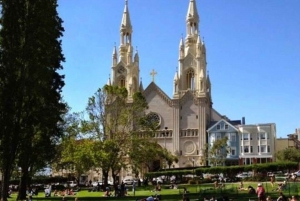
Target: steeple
[(192, 58), (125, 69), (115, 56), (126, 28), (108, 81), (192, 18), (141, 86), (181, 49)]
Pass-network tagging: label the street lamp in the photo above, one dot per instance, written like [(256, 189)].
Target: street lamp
[(165, 133), (193, 160)]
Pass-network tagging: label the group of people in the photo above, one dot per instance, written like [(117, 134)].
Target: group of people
[(219, 185), (65, 192), (261, 194), (223, 198), (151, 198)]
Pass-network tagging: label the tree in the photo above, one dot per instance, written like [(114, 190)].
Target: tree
[(116, 126), (217, 151), (291, 154), (30, 86), (74, 152)]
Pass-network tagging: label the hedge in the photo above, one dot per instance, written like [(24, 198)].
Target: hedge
[(229, 170)]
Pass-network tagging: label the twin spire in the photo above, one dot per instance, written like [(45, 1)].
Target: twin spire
[(192, 15), (126, 27)]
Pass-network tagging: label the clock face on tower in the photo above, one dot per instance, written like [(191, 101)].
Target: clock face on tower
[(121, 69)]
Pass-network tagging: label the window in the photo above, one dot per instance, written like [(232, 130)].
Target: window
[(233, 151), (226, 126), (262, 136), (246, 149), (245, 136), (241, 149), (232, 137), (251, 149), (218, 127), (218, 136), (153, 119), (269, 149), (121, 81), (263, 148), (190, 79)]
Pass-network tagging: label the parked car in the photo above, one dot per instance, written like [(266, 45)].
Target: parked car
[(157, 180), (243, 175), (297, 173), (128, 181), (72, 184), (96, 183)]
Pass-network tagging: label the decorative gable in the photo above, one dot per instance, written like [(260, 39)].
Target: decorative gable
[(222, 126), (152, 87), (189, 61)]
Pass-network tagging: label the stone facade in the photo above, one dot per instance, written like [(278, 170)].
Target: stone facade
[(186, 116)]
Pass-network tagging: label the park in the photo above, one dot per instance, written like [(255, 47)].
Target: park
[(195, 192)]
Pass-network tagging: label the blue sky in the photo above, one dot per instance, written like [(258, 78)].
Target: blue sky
[(253, 52)]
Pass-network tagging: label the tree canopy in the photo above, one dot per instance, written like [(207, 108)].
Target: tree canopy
[(31, 105)]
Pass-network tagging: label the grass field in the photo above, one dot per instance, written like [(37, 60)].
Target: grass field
[(196, 192)]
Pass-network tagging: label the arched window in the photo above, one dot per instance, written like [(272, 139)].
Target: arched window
[(190, 79), (121, 81)]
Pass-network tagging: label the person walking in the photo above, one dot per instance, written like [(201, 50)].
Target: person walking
[(261, 193), (133, 187), (272, 180)]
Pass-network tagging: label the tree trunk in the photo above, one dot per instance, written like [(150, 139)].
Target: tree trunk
[(5, 184), (105, 175), (23, 184)]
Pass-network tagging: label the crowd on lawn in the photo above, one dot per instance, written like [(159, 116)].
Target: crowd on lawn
[(261, 193)]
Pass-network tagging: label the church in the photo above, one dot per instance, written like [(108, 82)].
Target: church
[(185, 117)]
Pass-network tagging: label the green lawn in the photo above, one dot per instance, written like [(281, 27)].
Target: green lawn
[(195, 192)]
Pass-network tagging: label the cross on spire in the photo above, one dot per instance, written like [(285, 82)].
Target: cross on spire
[(153, 73)]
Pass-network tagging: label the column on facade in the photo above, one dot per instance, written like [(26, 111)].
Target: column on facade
[(202, 124), (242, 145), (259, 143), (176, 125)]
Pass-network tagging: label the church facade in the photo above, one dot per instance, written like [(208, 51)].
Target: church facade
[(185, 117)]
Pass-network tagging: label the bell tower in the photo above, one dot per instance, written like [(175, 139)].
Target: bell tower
[(192, 58), (125, 63), (192, 82)]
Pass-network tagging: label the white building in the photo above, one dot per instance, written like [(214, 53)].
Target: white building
[(257, 143)]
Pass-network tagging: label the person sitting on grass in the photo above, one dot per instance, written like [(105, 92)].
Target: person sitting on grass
[(251, 190), (293, 198), (216, 184), (107, 193), (241, 186), (281, 186), (282, 197)]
